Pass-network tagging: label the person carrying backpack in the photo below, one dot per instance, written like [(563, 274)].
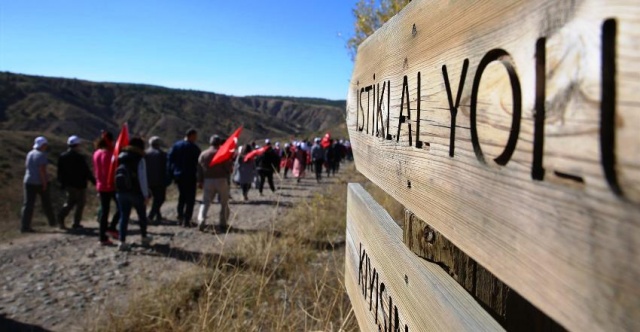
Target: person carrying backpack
[(132, 190)]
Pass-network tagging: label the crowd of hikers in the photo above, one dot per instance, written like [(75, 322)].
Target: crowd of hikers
[(131, 177)]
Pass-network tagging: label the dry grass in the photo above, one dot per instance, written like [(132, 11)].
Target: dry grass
[(287, 279)]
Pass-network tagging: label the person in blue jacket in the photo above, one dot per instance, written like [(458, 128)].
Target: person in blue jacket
[(182, 167)]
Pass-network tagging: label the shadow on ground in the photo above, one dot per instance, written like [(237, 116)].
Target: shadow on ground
[(8, 324), (194, 256), (263, 202)]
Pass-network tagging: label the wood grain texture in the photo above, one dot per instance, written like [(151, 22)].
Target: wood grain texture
[(570, 244), (426, 297), (507, 307)]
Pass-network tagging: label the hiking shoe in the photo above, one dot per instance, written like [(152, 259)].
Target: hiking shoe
[(27, 230), (114, 234), (202, 227), (123, 246), (77, 226), (106, 243), (146, 240), (222, 228)]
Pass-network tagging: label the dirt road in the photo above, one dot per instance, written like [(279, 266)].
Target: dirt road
[(58, 281)]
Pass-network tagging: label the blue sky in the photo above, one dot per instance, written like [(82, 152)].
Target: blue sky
[(293, 48)]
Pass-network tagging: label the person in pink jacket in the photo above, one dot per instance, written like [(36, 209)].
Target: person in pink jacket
[(101, 161)]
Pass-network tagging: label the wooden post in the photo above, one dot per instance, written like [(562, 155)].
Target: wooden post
[(512, 129), (390, 288), (509, 309)]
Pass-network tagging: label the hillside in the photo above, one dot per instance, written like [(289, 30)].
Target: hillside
[(63, 107), (33, 105)]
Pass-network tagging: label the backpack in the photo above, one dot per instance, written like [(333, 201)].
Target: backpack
[(260, 160), (126, 177)]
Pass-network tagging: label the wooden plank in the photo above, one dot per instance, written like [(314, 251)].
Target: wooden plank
[(548, 202), (382, 273), (509, 309)]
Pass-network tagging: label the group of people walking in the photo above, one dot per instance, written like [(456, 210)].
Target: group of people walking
[(144, 175)]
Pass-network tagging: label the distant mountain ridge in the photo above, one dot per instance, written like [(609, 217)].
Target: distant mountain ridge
[(61, 107)]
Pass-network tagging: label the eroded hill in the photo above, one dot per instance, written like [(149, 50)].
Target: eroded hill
[(68, 106)]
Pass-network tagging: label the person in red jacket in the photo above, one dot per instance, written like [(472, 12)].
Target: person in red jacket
[(102, 158), (300, 162)]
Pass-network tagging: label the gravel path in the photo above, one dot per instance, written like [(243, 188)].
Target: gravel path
[(55, 281)]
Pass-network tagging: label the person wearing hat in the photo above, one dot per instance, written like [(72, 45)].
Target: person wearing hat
[(267, 164), (299, 162), (286, 160), (73, 174), (182, 166), (132, 190), (214, 180), (36, 183), (156, 161)]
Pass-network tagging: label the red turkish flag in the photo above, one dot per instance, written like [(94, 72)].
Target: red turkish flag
[(325, 143), (255, 153), (226, 150), (121, 143)]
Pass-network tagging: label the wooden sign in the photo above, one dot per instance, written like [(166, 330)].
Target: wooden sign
[(513, 128), (390, 288)]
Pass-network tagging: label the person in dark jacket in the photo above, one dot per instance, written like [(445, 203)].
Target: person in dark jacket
[(156, 161), (330, 158), (73, 174), (268, 163), (137, 195), (317, 157), (182, 167)]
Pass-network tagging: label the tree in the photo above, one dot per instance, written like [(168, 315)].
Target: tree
[(369, 16)]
